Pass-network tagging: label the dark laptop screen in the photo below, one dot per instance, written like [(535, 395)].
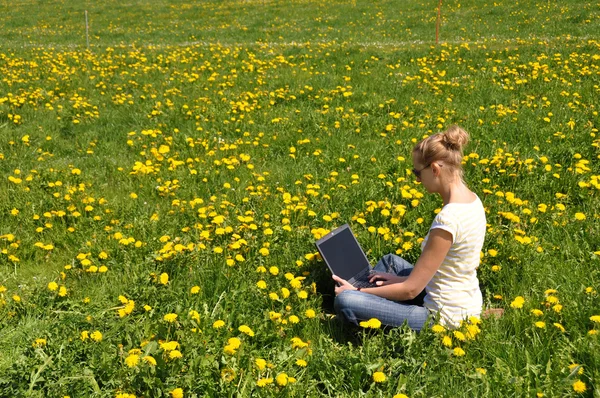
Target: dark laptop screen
[(343, 254)]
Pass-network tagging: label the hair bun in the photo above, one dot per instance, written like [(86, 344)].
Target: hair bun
[(455, 138)]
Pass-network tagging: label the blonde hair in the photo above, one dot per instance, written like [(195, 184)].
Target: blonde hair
[(445, 147)]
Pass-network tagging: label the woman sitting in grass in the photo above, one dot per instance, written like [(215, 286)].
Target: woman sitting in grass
[(444, 279)]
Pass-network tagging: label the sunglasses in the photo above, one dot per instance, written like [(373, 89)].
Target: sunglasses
[(417, 173)]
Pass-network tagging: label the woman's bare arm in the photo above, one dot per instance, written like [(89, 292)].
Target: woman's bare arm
[(436, 249)]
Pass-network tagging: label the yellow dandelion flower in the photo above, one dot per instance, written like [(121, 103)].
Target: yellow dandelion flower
[(273, 296), (132, 360), (149, 360), (218, 324), (298, 343), (177, 393), (447, 341), (260, 363), (246, 330), (170, 317), (576, 366), (379, 377), (234, 342), (589, 289), (296, 283), (263, 382), (164, 278), (472, 331), (579, 386), (557, 308), (518, 302), (39, 342), (372, 323), (282, 379), (175, 354), (195, 315), (288, 275), (274, 315), (459, 352), (169, 345), (559, 326), (228, 375), (96, 336)]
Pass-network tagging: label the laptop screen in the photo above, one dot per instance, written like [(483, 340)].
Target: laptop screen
[(342, 253)]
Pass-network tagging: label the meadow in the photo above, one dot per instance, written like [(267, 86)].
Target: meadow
[(162, 191)]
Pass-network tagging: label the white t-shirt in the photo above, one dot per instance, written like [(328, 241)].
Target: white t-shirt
[(454, 289)]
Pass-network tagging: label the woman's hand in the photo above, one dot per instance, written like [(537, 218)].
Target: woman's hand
[(384, 278), (342, 285)]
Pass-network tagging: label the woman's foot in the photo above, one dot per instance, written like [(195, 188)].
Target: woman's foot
[(493, 312)]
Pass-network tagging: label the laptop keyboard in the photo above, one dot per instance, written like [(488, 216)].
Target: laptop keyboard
[(362, 280), (364, 283)]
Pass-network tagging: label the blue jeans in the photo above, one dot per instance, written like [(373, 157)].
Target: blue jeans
[(354, 306)]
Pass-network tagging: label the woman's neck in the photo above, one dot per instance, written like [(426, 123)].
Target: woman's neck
[(456, 192)]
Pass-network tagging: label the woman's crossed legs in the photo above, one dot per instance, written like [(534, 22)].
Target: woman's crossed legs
[(354, 306)]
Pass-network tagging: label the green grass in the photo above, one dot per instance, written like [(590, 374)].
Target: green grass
[(248, 98)]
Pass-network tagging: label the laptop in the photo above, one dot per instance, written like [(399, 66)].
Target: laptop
[(344, 256)]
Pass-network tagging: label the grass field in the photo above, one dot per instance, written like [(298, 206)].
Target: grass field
[(162, 190)]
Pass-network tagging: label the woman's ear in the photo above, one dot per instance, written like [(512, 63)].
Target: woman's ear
[(436, 169)]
